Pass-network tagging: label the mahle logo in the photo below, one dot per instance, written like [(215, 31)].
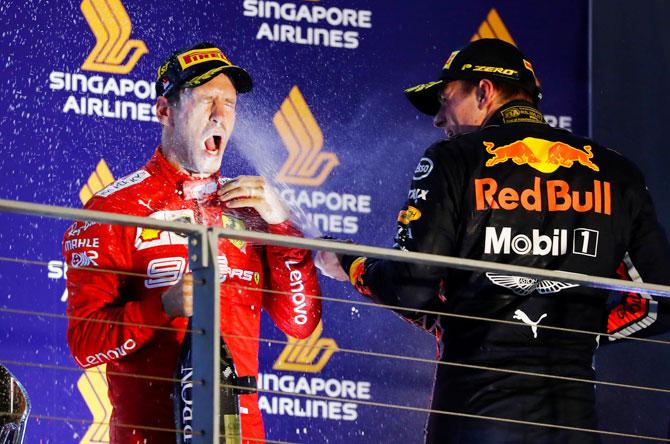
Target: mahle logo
[(308, 355), (493, 28), (114, 52), (306, 164)]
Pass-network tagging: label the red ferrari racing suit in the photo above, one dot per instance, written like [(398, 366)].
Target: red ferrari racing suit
[(127, 308)]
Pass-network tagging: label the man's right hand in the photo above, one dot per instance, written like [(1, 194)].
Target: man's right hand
[(178, 300), (330, 266)]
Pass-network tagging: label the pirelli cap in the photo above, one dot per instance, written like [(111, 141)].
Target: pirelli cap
[(197, 65), (492, 59)]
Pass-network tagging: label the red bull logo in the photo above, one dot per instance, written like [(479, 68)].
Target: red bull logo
[(554, 195), (543, 155)]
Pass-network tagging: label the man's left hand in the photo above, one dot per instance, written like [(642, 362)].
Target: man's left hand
[(254, 192)]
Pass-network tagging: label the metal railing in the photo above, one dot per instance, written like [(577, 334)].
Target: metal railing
[(203, 252)]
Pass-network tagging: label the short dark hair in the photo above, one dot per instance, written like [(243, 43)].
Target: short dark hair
[(507, 90), (173, 99)]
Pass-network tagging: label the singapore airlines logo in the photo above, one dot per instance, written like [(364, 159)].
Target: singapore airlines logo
[(308, 355), (114, 52), (493, 28), (306, 163), (93, 383), (93, 388), (98, 180)]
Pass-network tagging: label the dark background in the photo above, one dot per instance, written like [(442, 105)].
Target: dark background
[(630, 55), (356, 98)]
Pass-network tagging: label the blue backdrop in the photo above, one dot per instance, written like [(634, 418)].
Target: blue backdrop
[(78, 81)]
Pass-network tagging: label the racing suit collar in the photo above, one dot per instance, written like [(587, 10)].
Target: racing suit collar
[(516, 111), (186, 185)]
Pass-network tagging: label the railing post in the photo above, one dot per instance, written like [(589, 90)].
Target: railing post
[(203, 254)]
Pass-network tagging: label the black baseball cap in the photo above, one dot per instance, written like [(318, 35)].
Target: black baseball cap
[(188, 68), (492, 59)]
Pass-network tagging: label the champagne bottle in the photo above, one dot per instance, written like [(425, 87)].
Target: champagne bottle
[(229, 408)]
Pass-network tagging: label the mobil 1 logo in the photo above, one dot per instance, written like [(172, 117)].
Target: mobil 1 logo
[(503, 240), (585, 242)]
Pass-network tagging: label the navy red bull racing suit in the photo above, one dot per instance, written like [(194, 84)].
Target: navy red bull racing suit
[(520, 192), (136, 346)]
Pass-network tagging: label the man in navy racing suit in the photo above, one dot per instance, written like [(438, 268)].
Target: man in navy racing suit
[(507, 187)]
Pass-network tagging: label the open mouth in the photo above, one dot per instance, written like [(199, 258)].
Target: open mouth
[(213, 144)]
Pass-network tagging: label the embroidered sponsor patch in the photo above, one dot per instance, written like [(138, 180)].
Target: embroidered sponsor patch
[(408, 215), (124, 182), (423, 169), (523, 286)]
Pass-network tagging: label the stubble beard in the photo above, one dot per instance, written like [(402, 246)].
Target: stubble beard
[(192, 157)]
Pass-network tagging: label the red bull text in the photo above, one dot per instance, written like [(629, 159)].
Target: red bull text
[(556, 194)]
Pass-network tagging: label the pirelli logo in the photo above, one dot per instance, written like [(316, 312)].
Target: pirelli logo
[(114, 52), (308, 355), (200, 56), (306, 163), (93, 388), (493, 28), (98, 180)]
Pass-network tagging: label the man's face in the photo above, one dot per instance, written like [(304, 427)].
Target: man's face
[(202, 122), (459, 111)]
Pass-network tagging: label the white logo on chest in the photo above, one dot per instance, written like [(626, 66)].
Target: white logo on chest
[(523, 317)]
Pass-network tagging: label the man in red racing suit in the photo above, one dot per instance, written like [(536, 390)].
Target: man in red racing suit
[(122, 318)]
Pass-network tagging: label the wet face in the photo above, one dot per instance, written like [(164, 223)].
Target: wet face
[(199, 126), (460, 109)]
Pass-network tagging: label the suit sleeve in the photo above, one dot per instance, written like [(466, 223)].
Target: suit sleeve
[(649, 260), (297, 308), (648, 247), (428, 224), (104, 325)]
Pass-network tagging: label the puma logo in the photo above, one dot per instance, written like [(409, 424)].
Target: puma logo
[(141, 202), (523, 317)]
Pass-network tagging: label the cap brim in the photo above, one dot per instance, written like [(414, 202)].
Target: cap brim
[(424, 97), (240, 78)]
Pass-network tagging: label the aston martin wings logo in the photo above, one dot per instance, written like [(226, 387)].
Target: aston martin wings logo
[(113, 52), (306, 164), (308, 355), (523, 286)]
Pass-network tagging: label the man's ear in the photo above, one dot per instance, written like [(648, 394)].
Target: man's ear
[(163, 111), (485, 92)]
